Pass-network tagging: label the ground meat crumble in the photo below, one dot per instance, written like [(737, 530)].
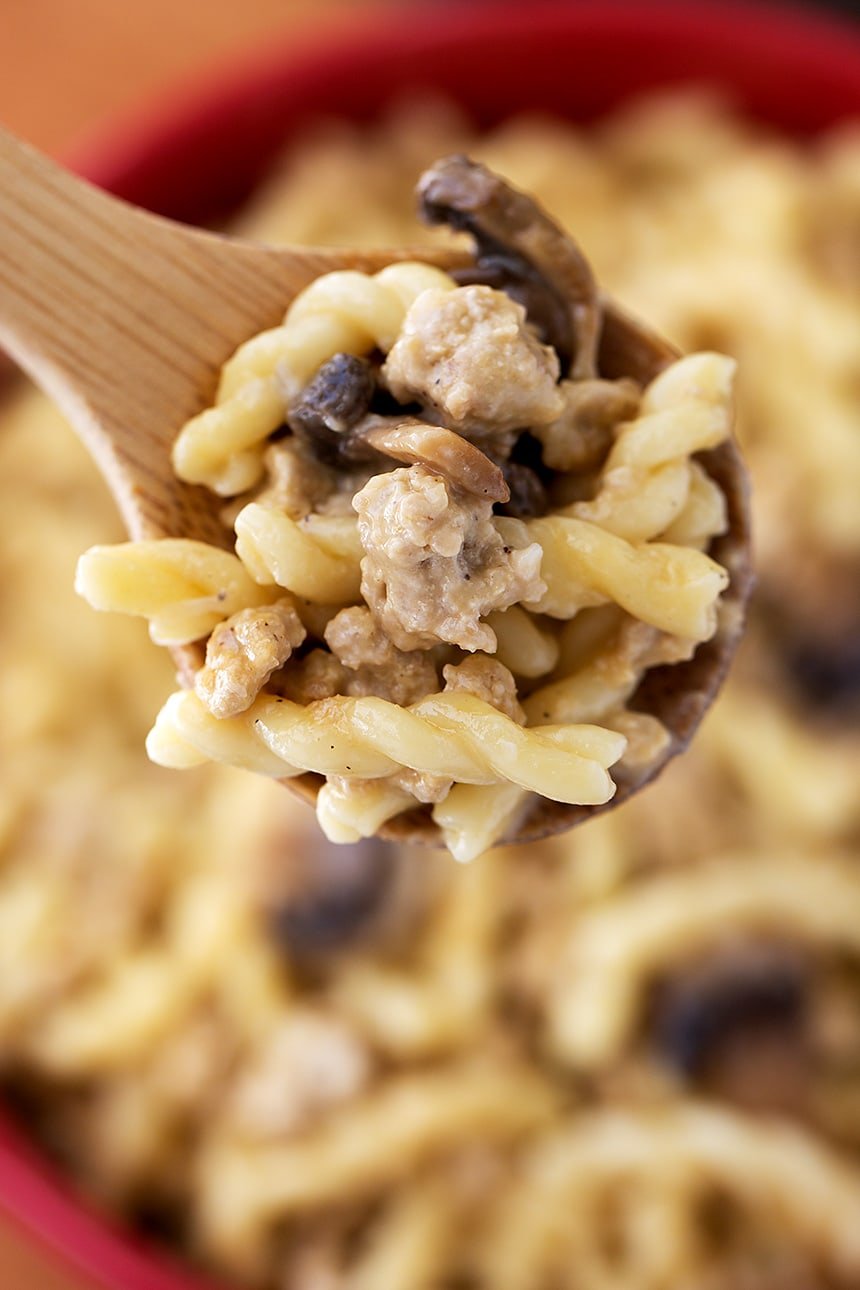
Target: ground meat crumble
[(471, 355), (317, 675), (376, 665), (297, 481), (243, 652), (487, 679), (435, 563), (308, 1064), (582, 434)]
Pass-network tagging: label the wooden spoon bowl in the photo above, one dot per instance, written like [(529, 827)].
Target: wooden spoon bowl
[(125, 319)]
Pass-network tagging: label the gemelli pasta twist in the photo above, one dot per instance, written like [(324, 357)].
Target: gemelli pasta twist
[(183, 588), (455, 735)]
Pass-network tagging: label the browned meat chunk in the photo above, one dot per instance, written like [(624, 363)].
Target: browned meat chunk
[(243, 652), (375, 664), (581, 437), (306, 1064), (470, 354), (319, 675), (435, 564), (487, 679), (522, 250), (297, 481)]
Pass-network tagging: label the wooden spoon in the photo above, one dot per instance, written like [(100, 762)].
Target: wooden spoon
[(125, 319)]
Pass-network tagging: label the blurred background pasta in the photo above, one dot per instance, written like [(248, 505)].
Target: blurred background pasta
[(628, 1059)]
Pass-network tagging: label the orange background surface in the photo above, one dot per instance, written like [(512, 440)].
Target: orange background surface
[(67, 67)]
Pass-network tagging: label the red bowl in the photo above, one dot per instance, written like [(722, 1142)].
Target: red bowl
[(202, 151)]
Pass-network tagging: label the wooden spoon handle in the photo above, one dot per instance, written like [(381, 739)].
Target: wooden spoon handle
[(96, 293)]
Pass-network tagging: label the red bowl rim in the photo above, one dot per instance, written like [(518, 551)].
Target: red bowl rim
[(126, 157), (755, 37)]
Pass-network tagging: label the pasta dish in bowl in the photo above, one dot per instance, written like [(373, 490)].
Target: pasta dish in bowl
[(629, 1055)]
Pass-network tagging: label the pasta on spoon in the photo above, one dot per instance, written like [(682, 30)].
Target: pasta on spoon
[(491, 543)]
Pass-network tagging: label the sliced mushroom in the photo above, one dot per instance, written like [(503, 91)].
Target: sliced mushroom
[(336, 893), (528, 497), (731, 993), (521, 251), (444, 452), (333, 401)]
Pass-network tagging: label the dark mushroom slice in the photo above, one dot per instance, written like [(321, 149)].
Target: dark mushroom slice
[(827, 674), (737, 1026), (522, 251), (810, 625), (336, 898), (527, 477), (528, 496), (334, 400), (445, 453), (729, 996)]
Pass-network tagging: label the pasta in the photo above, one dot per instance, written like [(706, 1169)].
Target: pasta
[(583, 564), (183, 588), (619, 948), (444, 734), (413, 568), (700, 1141), (317, 558), (339, 313), (419, 1114), (701, 1126)]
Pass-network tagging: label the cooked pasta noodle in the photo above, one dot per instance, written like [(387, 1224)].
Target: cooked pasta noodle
[(418, 1116), (415, 1019), (472, 818), (412, 1237), (148, 994), (184, 588), (317, 558), (613, 952), (524, 647), (647, 476), (348, 811), (444, 734), (671, 587), (778, 1171)]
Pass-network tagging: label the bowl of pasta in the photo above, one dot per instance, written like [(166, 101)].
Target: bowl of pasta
[(233, 1055)]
